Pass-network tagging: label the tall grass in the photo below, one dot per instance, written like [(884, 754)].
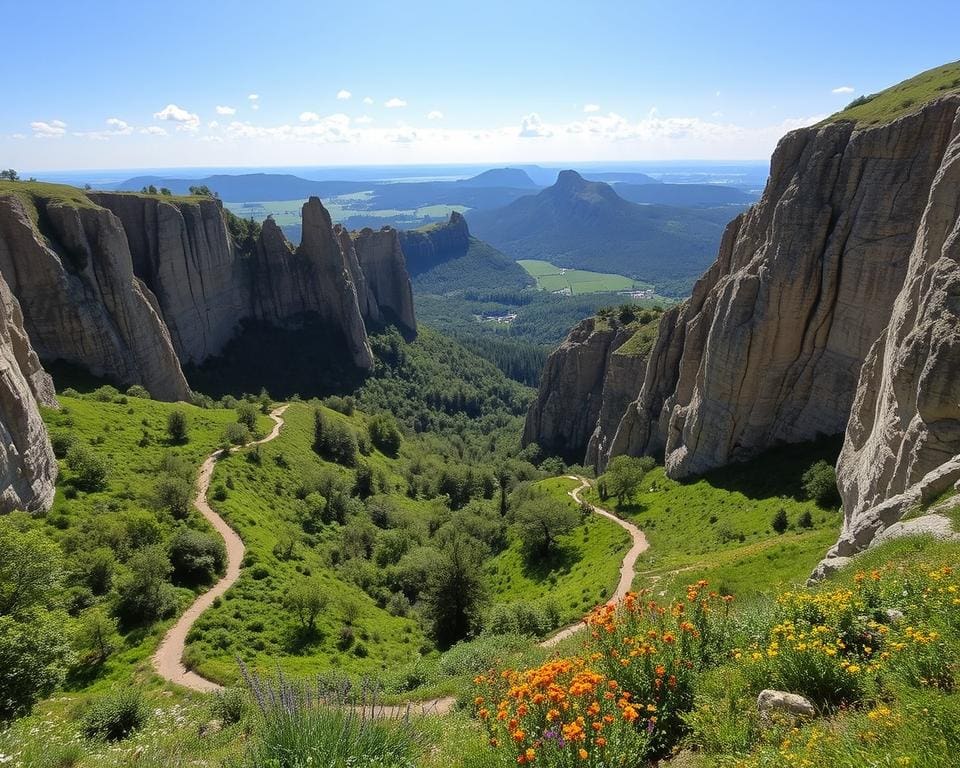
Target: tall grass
[(300, 724)]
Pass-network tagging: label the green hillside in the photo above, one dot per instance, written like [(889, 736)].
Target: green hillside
[(905, 97)]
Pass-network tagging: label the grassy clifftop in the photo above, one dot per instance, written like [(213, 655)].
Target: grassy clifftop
[(900, 99)]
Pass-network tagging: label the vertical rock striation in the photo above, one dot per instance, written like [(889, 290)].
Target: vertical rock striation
[(81, 301), (27, 465), (382, 261), (769, 347)]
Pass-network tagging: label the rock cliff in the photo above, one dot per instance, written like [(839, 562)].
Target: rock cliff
[(182, 252), (131, 286), (27, 465), (314, 278), (587, 384), (70, 267), (428, 247), (832, 307), (769, 347), (383, 263)]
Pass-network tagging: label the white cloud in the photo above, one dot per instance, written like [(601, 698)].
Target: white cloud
[(364, 120), (153, 130), (213, 124), (119, 127), (309, 117), (843, 89), (226, 110), (716, 115), (591, 107), (186, 121), (531, 127), (253, 96), (17, 136), (394, 103), (343, 94), (435, 114), (48, 130), (367, 100), (254, 101)]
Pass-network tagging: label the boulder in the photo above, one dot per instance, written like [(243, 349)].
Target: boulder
[(771, 701)]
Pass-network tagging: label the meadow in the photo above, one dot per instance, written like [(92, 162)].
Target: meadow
[(577, 281)]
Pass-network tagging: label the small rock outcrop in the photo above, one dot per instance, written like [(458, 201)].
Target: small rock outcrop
[(771, 701), (70, 267), (383, 263), (28, 468)]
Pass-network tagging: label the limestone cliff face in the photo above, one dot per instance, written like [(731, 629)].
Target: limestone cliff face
[(81, 301), (27, 465), (902, 443), (770, 345), (584, 390), (183, 253), (314, 278), (383, 263)]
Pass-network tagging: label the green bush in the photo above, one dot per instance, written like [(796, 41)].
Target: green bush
[(385, 434), (90, 469), (174, 495), (820, 485), (230, 705), (196, 557), (247, 415), (334, 441), (115, 715), (177, 427), (236, 434), (138, 391), (62, 442), (780, 523)]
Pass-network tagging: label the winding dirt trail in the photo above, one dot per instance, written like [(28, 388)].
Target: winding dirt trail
[(168, 660)]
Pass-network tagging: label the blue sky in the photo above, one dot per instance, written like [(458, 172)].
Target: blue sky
[(148, 84)]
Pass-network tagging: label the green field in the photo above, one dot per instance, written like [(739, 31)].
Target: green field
[(287, 212), (577, 281)]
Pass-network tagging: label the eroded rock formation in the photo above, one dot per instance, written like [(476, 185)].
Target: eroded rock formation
[(27, 465), (81, 301), (383, 263)]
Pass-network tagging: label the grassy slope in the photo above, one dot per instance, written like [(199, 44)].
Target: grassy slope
[(904, 97), (550, 278), (115, 431), (251, 621), (29, 191), (740, 500), (584, 573)]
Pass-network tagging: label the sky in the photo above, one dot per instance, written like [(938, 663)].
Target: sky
[(105, 84)]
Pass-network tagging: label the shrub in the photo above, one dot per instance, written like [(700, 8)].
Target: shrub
[(780, 523), (138, 391), (105, 394), (144, 594), (62, 442), (177, 427), (247, 415), (115, 715), (624, 475), (196, 557), (174, 495), (805, 520), (307, 599), (532, 716), (334, 441), (820, 484), (236, 434), (90, 469), (230, 705), (385, 434), (541, 521)]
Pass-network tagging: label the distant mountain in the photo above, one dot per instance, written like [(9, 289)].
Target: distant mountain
[(584, 224), (515, 178), (684, 194), (250, 187), (445, 259)]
